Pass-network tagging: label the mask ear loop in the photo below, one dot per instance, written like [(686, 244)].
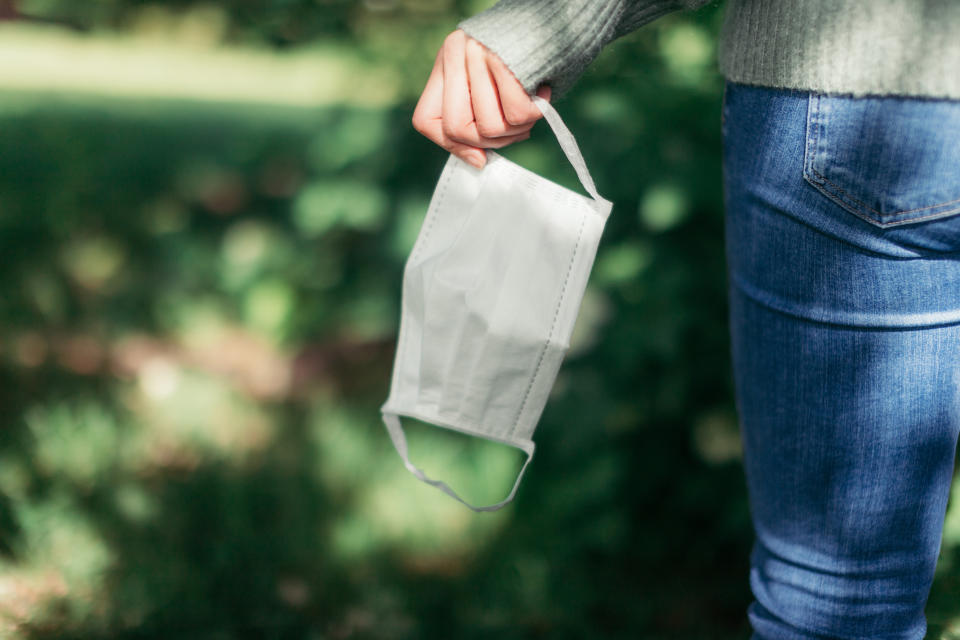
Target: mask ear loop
[(570, 148), (395, 429)]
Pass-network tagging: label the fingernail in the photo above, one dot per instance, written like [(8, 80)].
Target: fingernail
[(477, 159)]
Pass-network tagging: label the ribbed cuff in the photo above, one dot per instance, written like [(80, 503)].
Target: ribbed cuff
[(553, 41)]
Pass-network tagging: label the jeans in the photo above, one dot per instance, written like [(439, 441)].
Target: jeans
[(843, 245)]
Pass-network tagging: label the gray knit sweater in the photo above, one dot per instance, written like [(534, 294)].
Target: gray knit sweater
[(858, 47)]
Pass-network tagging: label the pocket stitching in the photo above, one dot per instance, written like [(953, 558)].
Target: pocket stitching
[(812, 138), (896, 213)]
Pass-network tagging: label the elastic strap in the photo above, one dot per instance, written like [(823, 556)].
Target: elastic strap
[(400, 442), (569, 145)]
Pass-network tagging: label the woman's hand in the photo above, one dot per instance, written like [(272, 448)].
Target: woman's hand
[(473, 102)]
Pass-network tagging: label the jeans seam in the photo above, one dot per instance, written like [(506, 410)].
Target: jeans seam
[(723, 107)]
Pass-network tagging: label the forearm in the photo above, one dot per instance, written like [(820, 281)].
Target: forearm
[(553, 41)]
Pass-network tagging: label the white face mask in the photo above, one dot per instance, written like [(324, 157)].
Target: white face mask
[(491, 291)]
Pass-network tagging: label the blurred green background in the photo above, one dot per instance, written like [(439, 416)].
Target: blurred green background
[(204, 212)]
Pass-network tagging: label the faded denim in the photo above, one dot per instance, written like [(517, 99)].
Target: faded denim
[(843, 244)]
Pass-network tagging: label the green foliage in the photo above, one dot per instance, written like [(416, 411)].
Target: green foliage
[(274, 22), (197, 320)]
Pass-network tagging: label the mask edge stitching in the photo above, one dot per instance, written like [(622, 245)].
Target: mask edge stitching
[(432, 209), (402, 331), (556, 314)]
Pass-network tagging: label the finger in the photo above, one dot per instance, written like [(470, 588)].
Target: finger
[(472, 155), (458, 118), (484, 96), (427, 118), (503, 141), (459, 123), (429, 105), (518, 108)]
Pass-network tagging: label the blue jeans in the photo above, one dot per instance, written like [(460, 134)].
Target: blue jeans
[(843, 243)]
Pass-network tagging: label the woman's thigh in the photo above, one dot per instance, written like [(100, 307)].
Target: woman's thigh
[(843, 241)]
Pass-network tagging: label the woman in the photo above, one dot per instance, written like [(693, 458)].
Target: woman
[(841, 127)]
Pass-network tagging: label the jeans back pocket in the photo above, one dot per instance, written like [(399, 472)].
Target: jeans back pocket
[(889, 160)]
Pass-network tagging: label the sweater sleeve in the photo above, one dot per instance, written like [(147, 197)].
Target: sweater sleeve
[(553, 41)]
